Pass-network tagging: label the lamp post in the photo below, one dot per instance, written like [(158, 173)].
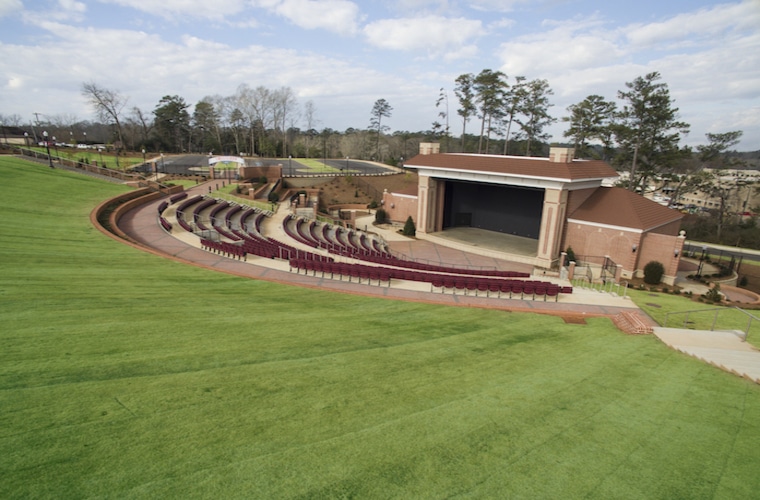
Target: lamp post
[(290, 164), (26, 139), (162, 166), (47, 148), (55, 145), (346, 165)]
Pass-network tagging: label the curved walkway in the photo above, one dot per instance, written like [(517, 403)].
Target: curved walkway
[(141, 224)]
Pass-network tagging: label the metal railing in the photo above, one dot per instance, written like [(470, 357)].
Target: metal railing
[(604, 286), (716, 311)]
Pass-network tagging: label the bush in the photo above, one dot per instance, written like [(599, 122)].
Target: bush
[(570, 256), (381, 216), (409, 228), (743, 281), (653, 272), (713, 294), (273, 197), (372, 205)]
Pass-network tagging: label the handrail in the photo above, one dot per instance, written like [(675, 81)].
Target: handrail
[(717, 310)]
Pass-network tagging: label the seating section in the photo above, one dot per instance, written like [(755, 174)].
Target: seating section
[(240, 231)]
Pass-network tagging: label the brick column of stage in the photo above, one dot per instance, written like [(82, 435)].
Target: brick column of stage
[(552, 223), (428, 206)]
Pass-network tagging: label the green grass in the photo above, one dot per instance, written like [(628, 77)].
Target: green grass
[(126, 375), (311, 164), (229, 193), (92, 156), (702, 316)]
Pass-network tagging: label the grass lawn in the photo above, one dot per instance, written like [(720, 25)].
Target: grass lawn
[(91, 156), (310, 164), (126, 375), (702, 316)]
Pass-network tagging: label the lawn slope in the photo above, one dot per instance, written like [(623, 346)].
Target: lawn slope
[(123, 374)]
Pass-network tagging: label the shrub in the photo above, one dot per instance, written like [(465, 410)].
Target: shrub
[(743, 281), (409, 228), (263, 179), (570, 255), (381, 216), (373, 204), (653, 272), (713, 294), (273, 197)]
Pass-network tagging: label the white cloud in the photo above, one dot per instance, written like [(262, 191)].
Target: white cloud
[(145, 67), (10, 7), (702, 25), (710, 60), (498, 5), (336, 16), (171, 9), (437, 35)]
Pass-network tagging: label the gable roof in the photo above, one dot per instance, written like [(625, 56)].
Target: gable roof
[(616, 206), (523, 166)]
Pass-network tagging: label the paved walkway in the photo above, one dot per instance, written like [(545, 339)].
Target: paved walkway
[(725, 349), (141, 224)]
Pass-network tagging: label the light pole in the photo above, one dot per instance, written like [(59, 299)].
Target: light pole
[(26, 139), (47, 148), (290, 165), (55, 145), (162, 166), (346, 165)]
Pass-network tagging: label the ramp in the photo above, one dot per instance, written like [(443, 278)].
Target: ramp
[(726, 350)]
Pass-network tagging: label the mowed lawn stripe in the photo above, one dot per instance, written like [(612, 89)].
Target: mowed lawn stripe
[(128, 375)]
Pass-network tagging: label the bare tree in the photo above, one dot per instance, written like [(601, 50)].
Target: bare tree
[(107, 104)]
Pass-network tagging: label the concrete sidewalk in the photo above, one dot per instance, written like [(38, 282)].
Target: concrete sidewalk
[(726, 350)]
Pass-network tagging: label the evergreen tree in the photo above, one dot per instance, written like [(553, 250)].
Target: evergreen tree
[(466, 94), (535, 113), (647, 129), (590, 119), (380, 109)]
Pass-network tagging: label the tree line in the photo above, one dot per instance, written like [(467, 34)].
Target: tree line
[(639, 135)]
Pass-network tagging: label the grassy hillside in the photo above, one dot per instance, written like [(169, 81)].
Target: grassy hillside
[(123, 374)]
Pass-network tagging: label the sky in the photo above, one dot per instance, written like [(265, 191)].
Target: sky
[(344, 55)]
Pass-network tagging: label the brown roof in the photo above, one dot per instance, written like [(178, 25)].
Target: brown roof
[(619, 207), (524, 166)]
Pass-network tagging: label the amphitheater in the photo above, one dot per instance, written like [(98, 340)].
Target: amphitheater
[(195, 228)]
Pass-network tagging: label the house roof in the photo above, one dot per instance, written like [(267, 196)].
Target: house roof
[(523, 166), (616, 206)]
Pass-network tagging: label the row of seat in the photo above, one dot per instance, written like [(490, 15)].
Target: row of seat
[(165, 223), (442, 282), (224, 248), (250, 240)]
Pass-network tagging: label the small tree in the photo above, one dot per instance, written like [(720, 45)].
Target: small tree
[(570, 256), (380, 216), (653, 272), (409, 228), (713, 294)]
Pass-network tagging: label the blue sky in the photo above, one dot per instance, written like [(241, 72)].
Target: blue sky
[(344, 55)]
